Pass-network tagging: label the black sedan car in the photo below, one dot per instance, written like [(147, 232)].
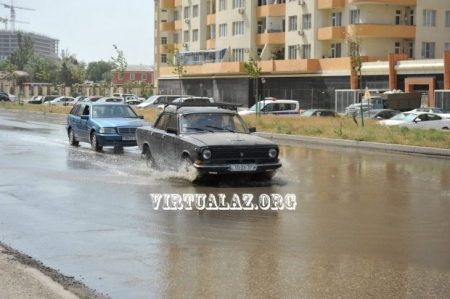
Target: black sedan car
[(380, 113), (319, 112), (210, 139), (103, 124)]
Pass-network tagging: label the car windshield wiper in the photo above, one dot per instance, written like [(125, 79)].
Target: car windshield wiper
[(220, 128), (194, 128)]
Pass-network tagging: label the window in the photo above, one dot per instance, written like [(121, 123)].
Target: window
[(306, 51), (355, 17), (213, 31), (222, 5), (222, 30), (238, 55), (427, 50), (163, 58), (176, 15), (187, 36), (195, 35), (144, 76), (447, 47), (397, 48), (238, 28), (411, 50), (195, 11), (447, 19), (187, 12), (132, 77), (163, 40), (292, 52), (238, 3), (411, 17), (306, 21), (398, 17), (176, 38), (429, 18), (292, 23), (336, 19), (120, 76), (335, 50), (162, 122)]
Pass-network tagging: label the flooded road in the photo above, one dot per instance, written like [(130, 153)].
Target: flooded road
[(366, 224)]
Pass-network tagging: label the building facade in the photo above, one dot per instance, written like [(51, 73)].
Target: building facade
[(303, 47), (134, 73), (43, 45)]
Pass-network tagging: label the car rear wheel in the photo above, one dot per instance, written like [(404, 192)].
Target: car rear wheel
[(94, 143), (72, 140), (147, 155)]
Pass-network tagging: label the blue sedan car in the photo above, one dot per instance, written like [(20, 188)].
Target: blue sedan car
[(103, 124)]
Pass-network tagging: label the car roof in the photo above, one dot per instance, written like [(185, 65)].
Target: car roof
[(105, 103), (192, 107)]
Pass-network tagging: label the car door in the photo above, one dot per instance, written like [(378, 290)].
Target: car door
[(433, 121), (83, 128), (156, 142), (169, 138)]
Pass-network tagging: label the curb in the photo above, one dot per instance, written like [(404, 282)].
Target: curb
[(286, 139)]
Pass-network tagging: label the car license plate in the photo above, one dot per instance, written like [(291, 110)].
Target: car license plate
[(128, 138), (243, 167)]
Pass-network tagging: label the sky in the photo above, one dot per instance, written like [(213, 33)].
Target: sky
[(88, 29)]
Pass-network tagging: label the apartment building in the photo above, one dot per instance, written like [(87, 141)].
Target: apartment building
[(43, 45), (302, 44)]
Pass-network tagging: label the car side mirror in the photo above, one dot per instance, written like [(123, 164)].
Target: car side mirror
[(172, 130), (85, 117), (141, 116), (417, 120), (252, 129)]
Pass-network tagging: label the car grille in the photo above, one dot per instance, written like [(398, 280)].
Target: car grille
[(239, 155), (126, 130)]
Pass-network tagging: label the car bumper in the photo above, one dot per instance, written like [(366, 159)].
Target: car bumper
[(226, 168), (116, 140)]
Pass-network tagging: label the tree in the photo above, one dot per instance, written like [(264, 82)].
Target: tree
[(178, 63), (42, 69), (253, 69), (23, 53), (354, 44), (119, 63), (99, 71)]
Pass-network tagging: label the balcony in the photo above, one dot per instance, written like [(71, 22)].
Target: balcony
[(167, 26), (270, 38), (210, 19), (210, 69), (178, 25), (330, 4), (177, 3), (382, 31), (331, 33), (164, 4), (166, 49), (385, 2), (272, 10), (211, 43)]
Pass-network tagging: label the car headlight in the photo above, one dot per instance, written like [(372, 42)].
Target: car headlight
[(206, 154), (107, 131), (272, 153)]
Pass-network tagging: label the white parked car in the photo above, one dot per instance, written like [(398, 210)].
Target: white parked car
[(439, 111), (60, 101), (189, 99), (271, 105), (422, 120)]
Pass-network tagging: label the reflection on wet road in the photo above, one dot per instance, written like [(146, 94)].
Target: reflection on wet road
[(366, 224)]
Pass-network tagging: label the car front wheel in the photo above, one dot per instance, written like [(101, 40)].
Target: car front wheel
[(72, 140), (94, 143)]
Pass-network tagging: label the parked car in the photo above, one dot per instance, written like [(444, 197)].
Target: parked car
[(380, 113), (155, 100), (36, 100), (110, 99), (11, 97), (76, 100), (61, 101), (210, 139), (128, 98), (49, 97), (422, 120), (92, 98), (439, 111), (103, 124), (271, 105), (319, 112), (4, 98), (186, 99), (355, 109)]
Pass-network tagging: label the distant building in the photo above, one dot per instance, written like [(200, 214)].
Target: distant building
[(143, 73), (43, 45)]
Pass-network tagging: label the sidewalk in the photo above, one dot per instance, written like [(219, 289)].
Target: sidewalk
[(21, 277)]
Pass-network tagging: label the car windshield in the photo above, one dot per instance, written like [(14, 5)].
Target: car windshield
[(253, 108), (307, 113), (212, 122), (404, 116), (113, 111), (150, 99)]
